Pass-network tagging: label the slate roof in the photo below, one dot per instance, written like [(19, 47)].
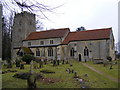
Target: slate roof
[(54, 33), (88, 35)]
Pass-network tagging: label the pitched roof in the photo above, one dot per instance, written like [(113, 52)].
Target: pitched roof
[(54, 33), (88, 35), (26, 50)]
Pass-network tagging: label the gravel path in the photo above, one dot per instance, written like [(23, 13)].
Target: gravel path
[(102, 73)]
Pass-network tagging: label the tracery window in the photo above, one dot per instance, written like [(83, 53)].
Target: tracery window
[(50, 52)]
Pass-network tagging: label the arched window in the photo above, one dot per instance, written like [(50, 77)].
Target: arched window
[(86, 52), (50, 52), (72, 52), (37, 52)]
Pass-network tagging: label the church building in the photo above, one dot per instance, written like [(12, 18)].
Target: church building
[(61, 44)]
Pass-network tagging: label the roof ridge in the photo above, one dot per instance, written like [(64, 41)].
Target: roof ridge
[(51, 30), (93, 30), (95, 34)]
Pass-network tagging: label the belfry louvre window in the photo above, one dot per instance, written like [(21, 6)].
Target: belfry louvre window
[(72, 52), (50, 52), (86, 52)]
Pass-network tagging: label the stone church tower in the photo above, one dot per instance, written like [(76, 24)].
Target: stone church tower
[(24, 24)]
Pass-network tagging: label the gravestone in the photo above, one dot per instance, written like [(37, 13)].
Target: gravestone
[(67, 62), (45, 61), (63, 61), (75, 74), (71, 65), (68, 70), (17, 62), (35, 64), (110, 65), (54, 62), (58, 62), (72, 71), (21, 66), (31, 66), (40, 63)]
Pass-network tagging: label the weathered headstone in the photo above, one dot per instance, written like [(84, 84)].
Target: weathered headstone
[(45, 61), (17, 62), (68, 70), (110, 65), (22, 66), (63, 61), (71, 65), (31, 66), (40, 63), (34, 64), (75, 74), (72, 71), (58, 62), (54, 62)]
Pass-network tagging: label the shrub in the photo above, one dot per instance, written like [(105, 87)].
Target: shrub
[(9, 63), (18, 62), (27, 58)]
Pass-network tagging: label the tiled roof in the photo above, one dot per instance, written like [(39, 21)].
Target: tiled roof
[(88, 35), (54, 33)]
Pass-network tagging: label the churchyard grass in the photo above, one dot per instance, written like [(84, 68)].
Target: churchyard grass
[(66, 80), (111, 72)]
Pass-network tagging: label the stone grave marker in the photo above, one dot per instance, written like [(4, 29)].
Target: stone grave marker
[(31, 66)]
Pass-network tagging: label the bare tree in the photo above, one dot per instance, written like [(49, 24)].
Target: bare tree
[(39, 25), (6, 41), (32, 6)]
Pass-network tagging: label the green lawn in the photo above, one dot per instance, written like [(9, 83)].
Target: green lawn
[(94, 80), (111, 72)]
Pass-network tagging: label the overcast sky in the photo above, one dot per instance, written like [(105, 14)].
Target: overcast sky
[(92, 14)]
